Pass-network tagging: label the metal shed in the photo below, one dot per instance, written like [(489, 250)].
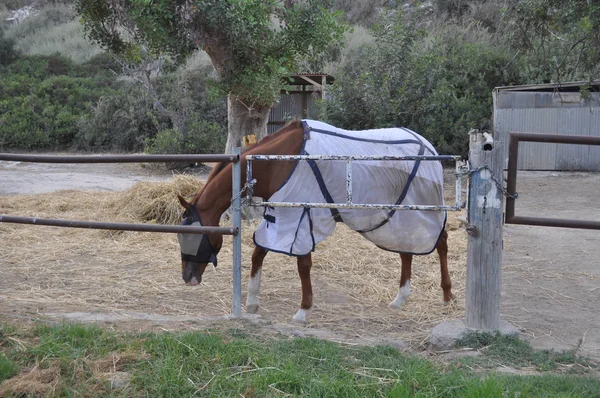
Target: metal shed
[(551, 109), (300, 100)]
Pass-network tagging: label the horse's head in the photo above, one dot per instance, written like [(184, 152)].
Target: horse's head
[(197, 250)]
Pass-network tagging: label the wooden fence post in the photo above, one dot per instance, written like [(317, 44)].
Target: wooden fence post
[(484, 253)]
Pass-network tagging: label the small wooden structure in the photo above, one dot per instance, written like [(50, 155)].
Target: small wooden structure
[(300, 100)]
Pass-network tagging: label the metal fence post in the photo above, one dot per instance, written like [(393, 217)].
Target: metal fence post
[(484, 253), (237, 238)]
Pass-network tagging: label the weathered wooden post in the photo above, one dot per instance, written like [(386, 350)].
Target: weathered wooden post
[(484, 253)]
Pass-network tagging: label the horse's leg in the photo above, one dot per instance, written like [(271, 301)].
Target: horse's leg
[(404, 290), (304, 265), (254, 283), (446, 285)]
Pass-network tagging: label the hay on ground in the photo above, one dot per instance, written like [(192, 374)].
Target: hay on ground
[(156, 202), (32, 382)]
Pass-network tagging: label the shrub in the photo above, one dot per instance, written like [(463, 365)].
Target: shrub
[(439, 86), (41, 103), (119, 122)]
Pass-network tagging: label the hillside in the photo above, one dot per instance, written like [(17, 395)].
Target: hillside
[(429, 65)]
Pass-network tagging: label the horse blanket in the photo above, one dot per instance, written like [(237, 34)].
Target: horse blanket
[(296, 231)]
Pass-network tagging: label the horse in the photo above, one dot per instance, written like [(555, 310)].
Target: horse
[(207, 207)]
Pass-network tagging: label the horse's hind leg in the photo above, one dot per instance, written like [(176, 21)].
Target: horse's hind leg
[(304, 266), (254, 283), (404, 290), (446, 285)]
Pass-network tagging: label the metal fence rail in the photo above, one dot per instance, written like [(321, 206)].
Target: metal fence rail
[(511, 183), (117, 158), (459, 204), (184, 229)]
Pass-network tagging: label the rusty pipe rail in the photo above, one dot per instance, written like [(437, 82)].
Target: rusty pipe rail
[(117, 158), (511, 183), (185, 229)]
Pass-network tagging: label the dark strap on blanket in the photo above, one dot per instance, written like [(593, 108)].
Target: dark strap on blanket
[(411, 177), (315, 169)]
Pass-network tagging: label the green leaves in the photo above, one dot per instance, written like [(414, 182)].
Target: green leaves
[(252, 43)]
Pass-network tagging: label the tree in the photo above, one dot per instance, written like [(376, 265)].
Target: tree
[(560, 37), (253, 44)]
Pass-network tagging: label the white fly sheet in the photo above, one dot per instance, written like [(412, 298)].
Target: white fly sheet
[(296, 231)]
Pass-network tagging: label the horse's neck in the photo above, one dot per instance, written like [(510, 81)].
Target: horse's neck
[(215, 198)]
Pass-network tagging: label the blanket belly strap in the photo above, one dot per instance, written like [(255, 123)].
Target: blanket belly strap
[(410, 179), (315, 169)]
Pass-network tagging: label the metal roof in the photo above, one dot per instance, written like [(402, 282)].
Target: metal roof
[(566, 86), (297, 80)]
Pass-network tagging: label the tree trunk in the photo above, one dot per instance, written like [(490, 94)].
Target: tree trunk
[(245, 118)]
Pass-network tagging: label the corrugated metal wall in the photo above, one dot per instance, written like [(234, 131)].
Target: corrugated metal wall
[(290, 106), (550, 113)]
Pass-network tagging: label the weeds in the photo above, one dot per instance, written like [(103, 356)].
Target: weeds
[(510, 350), (73, 359)]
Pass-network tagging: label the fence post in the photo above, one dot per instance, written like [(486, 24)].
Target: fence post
[(237, 238), (484, 253)]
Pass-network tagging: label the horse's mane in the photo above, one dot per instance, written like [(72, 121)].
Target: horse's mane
[(294, 123), (265, 140)]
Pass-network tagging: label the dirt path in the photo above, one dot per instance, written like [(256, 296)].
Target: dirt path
[(551, 276)]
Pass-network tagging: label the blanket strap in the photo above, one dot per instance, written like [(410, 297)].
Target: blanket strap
[(410, 179), (315, 169)]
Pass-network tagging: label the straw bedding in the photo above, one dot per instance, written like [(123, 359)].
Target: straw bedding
[(57, 270)]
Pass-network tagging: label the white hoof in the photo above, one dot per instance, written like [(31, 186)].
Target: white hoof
[(402, 295), (252, 308), (300, 316)]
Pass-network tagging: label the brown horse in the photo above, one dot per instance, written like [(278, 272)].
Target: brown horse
[(207, 207)]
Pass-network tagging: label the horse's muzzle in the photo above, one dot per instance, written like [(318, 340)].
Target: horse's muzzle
[(192, 273)]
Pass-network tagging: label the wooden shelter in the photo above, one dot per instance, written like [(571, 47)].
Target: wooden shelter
[(300, 99)]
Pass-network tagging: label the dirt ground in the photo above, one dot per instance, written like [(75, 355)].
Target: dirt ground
[(551, 276), (550, 288)]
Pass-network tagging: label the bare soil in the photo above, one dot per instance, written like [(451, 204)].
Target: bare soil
[(550, 290), (551, 276)]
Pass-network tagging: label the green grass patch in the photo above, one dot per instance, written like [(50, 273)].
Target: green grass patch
[(72, 358), (510, 350)]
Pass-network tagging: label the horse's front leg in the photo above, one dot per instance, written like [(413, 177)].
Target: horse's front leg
[(304, 266), (254, 283), (404, 290)]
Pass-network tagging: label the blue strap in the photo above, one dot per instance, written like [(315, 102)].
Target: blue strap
[(315, 169), (402, 195)]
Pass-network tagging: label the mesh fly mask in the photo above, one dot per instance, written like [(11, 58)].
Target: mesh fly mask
[(196, 247)]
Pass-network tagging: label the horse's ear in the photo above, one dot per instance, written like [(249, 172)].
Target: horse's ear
[(185, 204)]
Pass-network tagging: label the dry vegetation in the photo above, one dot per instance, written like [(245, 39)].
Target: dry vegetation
[(48, 270)]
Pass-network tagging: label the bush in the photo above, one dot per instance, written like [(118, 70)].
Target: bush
[(41, 103), (202, 137), (439, 86), (119, 122), (129, 121)]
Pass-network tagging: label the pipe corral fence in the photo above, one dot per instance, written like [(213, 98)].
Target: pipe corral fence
[(484, 203), (235, 229)]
